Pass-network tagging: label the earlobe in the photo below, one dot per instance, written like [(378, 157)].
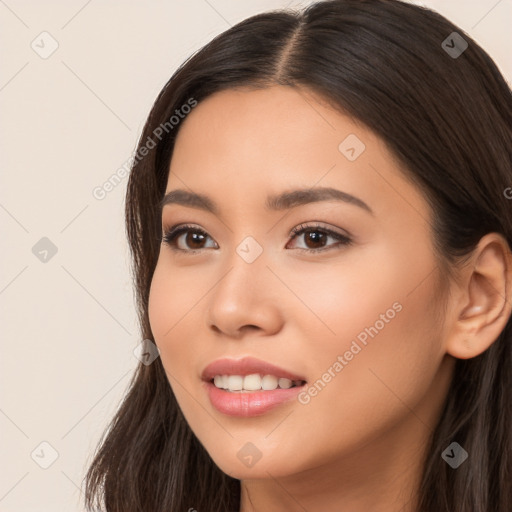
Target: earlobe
[(485, 305)]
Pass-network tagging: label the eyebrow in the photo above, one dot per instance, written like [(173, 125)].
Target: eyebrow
[(277, 202)]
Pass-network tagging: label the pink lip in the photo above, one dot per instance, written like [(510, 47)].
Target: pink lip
[(249, 403)]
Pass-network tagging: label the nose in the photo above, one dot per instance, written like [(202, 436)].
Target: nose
[(246, 298)]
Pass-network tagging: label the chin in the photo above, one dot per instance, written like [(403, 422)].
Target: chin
[(242, 467)]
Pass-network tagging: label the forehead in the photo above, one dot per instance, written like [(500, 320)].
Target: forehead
[(241, 142), (281, 117)]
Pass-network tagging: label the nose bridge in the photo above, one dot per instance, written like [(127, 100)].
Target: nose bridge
[(250, 250), (245, 266), (243, 295), (247, 240)]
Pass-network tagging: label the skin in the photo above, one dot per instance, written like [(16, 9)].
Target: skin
[(362, 440)]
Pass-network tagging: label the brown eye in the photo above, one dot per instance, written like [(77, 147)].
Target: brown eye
[(316, 238), (193, 240), (185, 238)]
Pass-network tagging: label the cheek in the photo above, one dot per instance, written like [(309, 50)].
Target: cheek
[(172, 299), (382, 321), (161, 303), (172, 296), (353, 300), (390, 352)]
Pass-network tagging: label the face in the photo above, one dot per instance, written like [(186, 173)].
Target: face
[(339, 289)]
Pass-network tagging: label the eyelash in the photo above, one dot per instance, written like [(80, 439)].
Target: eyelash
[(174, 232)]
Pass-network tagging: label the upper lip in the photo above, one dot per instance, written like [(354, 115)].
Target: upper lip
[(245, 366)]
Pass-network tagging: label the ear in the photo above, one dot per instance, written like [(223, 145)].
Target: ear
[(484, 302)]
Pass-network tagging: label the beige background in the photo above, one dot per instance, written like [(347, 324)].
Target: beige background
[(68, 122)]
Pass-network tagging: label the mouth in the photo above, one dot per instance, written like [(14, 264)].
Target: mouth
[(249, 387)]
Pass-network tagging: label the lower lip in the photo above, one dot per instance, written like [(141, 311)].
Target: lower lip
[(252, 403)]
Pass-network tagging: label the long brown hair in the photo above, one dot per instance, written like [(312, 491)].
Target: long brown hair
[(447, 119)]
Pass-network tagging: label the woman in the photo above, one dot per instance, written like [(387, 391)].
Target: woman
[(320, 227)]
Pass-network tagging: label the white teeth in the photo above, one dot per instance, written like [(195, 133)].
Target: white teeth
[(235, 382), (285, 383), (269, 382), (253, 382)]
